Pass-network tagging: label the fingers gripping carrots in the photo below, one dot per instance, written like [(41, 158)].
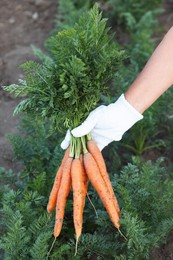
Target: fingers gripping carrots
[(82, 162)]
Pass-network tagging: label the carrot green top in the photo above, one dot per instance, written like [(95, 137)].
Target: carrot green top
[(66, 85)]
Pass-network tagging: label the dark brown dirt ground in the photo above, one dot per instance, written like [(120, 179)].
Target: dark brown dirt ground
[(23, 23)]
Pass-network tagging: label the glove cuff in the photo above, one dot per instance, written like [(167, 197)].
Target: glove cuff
[(137, 116), (129, 115)]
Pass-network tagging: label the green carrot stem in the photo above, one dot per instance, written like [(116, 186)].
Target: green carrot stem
[(83, 141), (77, 148), (88, 137), (72, 146)]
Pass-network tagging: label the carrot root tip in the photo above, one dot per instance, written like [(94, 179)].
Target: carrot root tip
[(76, 246), (122, 234), (92, 205), (51, 248)]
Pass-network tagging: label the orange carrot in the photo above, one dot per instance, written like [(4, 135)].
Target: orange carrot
[(97, 155), (54, 192), (84, 175), (62, 196), (98, 183), (86, 182), (79, 195)]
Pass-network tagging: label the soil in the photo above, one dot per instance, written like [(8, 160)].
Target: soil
[(23, 23)]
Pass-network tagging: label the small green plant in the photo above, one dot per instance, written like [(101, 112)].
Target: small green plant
[(142, 138)]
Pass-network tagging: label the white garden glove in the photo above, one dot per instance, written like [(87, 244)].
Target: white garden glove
[(106, 123)]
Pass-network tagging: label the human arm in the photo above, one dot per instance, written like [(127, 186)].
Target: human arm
[(155, 78)]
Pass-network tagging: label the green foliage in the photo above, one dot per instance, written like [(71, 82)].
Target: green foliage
[(65, 91), (125, 14), (144, 186), (69, 12), (128, 13), (154, 132), (144, 191), (40, 248), (47, 60), (147, 134), (38, 152), (143, 137), (23, 223), (15, 242), (141, 43)]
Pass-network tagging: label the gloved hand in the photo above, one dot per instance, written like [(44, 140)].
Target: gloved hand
[(106, 123)]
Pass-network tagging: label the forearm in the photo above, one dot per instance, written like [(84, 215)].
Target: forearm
[(155, 78)]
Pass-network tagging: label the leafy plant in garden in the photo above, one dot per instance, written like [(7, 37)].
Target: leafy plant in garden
[(34, 145), (125, 14), (145, 194), (154, 131)]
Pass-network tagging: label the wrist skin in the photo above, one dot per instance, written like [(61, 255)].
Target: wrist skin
[(155, 78)]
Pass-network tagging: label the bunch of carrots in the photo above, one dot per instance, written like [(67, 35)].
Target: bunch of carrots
[(82, 162)]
